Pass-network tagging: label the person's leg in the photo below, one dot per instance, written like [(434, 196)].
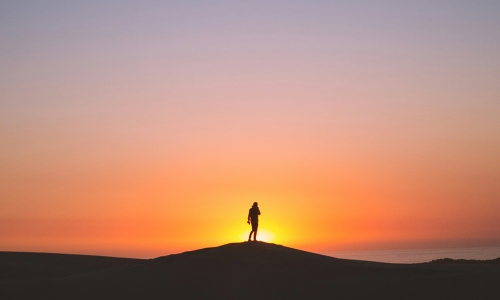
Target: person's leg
[(255, 226), (250, 235)]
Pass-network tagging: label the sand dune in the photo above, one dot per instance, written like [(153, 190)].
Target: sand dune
[(240, 271)]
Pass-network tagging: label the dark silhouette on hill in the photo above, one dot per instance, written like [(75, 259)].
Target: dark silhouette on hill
[(247, 271), (253, 217)]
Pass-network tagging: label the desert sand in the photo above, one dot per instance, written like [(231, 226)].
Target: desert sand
[(250, 270)]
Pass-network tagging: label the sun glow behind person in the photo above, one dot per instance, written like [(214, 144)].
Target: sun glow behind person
[(263, 235)]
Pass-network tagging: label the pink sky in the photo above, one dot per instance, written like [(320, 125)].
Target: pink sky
[(144, 128)]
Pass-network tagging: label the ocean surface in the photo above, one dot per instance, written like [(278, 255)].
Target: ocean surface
[(419, 255)]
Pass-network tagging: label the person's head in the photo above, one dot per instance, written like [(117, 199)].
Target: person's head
[(255, 204)]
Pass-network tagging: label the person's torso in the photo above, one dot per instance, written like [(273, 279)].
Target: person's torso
[(254, 214)]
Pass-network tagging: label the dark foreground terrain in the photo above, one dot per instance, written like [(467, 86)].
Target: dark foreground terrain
[(241, 271)]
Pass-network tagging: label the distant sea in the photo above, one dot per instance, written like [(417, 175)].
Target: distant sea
[(419, 255)]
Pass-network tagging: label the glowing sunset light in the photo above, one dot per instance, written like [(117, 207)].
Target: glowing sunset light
[(263, 236), (149, 128)]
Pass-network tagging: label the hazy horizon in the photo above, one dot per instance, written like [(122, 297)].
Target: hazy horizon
[(141, 128)]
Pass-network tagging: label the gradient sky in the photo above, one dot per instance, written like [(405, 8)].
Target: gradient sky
[(143, 128)]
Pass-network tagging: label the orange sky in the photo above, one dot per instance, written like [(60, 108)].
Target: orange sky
[(150, 129)]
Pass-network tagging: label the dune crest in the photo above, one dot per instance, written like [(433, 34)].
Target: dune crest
[(249, 270)]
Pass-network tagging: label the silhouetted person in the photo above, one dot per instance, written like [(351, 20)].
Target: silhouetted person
[(253, 217)]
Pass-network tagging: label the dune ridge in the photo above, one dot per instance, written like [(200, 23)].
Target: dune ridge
[(250, 270)]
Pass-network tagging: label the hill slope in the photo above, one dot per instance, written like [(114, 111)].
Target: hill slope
[(264, 271), (27, 266)]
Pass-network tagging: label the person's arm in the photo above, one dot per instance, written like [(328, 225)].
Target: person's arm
[(249, 216), (258, 210)]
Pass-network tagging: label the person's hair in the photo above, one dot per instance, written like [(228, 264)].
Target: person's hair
[(255, 204)]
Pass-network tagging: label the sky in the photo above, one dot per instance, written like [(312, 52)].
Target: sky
[(145, 128)]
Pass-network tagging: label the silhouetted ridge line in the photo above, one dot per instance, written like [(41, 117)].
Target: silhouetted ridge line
[(465, 261), (250, 270)]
